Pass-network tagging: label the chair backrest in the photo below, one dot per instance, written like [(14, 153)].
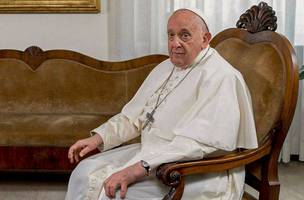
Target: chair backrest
[(266, 60)]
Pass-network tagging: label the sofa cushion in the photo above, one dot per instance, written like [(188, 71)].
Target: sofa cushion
[(46, 129)]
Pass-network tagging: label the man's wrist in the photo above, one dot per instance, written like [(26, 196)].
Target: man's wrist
[(98, 139), (146, 166)]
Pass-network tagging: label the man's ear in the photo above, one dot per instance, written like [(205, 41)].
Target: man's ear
[(206, 39)]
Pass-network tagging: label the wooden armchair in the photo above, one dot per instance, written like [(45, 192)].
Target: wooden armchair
[(267, 61)]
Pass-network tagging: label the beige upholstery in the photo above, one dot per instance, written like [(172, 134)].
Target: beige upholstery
[(261, 66), (60, 101)]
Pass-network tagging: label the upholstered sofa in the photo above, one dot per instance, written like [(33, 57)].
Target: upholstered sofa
[(50, 99)]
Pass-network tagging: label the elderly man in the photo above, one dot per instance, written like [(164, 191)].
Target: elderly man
[(191, 105)]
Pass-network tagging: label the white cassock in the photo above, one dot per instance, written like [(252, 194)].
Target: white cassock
[(209, 111)]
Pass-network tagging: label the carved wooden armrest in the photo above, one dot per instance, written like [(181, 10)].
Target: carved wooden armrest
[(172, 174)]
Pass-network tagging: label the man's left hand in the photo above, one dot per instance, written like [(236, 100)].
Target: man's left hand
[(122, 179)]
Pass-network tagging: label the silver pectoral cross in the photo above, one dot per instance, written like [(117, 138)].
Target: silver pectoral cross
[(149, 119)]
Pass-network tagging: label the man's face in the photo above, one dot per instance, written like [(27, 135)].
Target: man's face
[(186, 38)]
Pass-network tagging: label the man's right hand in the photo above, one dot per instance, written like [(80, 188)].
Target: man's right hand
[(82, 147)]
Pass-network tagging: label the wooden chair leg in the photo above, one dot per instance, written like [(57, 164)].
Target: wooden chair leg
[(270, 191), (270, 185)]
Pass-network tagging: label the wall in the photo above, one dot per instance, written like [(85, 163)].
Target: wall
[(85, 33)]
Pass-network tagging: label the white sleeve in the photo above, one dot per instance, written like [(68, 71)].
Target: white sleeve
[(180, 149), (116, 131)]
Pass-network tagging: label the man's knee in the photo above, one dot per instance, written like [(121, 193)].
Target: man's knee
[(80, 174)]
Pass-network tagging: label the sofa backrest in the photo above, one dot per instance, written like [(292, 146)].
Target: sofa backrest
[(65, 84), (57, 92)]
